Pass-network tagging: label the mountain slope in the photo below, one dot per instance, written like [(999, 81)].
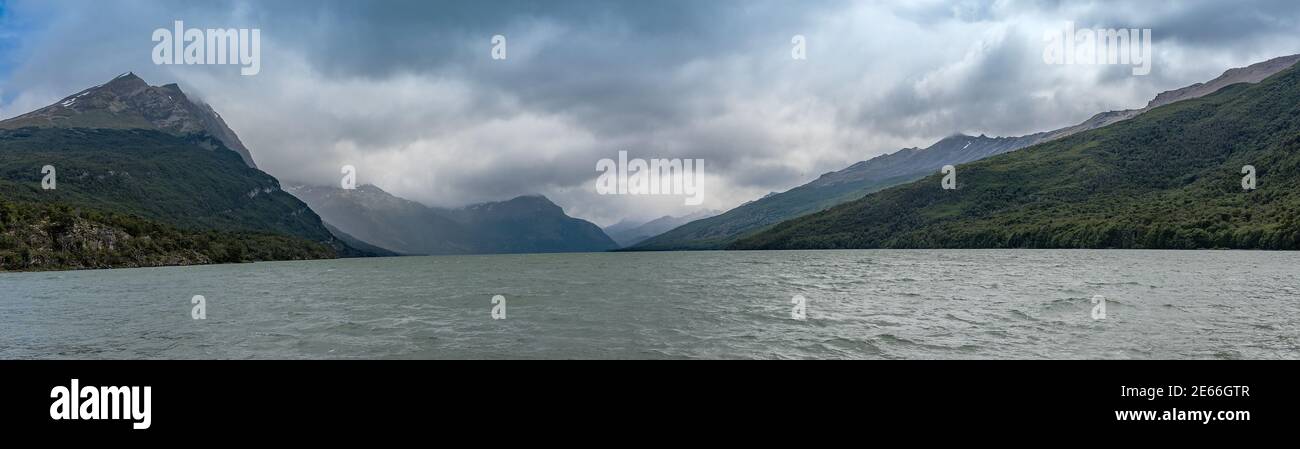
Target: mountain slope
[(153, 175), (1250, 74), (1169, 178), (144, 177), (527, 224), (127, 102), (911, 164), (364, 247), (530, 224), (627, 233), (165, 199), (376, 217), (831, 189)]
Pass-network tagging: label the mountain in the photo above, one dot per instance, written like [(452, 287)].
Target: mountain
[(527, 224), (530, 224), (623, 226), (909, 165), (364, 247), (374, 216), (1169, 178), (831, 189), (128, 102), (1250, 74), (627, 233), (131, 193), (157, 181)]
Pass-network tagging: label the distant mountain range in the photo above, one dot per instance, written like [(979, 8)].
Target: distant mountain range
[(628, 233), (527, 224), (1170, 178), (910, 164)]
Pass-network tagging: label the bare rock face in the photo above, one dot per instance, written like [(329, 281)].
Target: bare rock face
[(128, 102)]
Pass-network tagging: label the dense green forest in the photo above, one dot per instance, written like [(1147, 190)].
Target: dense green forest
[(191, 182), (36, 236), (1170, 178), (127, 198)]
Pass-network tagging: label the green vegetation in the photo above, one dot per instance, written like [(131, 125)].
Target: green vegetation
[(49, 237), (127, 198), (155, 175), (718, 231), (1169, 178)]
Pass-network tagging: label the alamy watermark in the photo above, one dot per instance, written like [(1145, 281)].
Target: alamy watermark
[(498, 307), (75, 402), (653, 177), (194, 46), (349, 180), (800, 309), (1101, 46), (1099, 307), (498, 47), (50, 181), (200, 310)]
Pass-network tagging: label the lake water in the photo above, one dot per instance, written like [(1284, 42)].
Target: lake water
[(894, 304)]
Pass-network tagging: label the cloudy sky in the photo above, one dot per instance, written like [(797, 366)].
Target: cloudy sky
[(407, 91)]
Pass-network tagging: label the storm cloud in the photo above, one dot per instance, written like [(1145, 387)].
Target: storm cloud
[(407, 92)]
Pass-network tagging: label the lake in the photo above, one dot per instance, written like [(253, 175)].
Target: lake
[(858, 304)]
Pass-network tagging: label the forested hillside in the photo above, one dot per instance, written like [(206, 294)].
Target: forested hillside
[(1169, 178)]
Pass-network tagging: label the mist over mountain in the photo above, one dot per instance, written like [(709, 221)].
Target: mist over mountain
[(525, 224), (1171, 178), (128, 102), (628, 233), (910, 164)]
